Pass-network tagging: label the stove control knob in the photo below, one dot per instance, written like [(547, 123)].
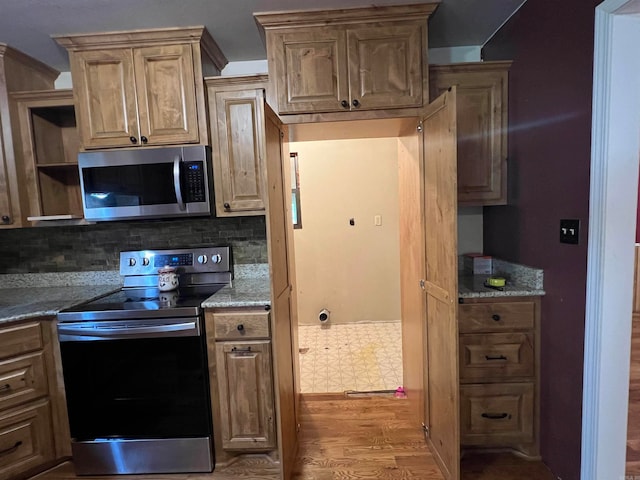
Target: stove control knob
[(132, 262), (202, 259), (216, 258), (145, 262)]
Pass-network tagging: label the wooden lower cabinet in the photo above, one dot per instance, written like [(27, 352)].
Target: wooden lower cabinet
[(33, 423), (245, 381), (241, 379), (499, 358), (26, 440)]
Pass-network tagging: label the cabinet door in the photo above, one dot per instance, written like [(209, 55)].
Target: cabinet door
[(166, 94), (25, 439), (245, 382), (105, 98), (441, 282), (312, 71), (385, 66), (482, 129), (238, 160)]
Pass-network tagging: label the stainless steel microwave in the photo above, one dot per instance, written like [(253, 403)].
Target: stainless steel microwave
[(146, 183)]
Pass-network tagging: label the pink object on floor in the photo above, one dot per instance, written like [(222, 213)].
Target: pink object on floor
[(400, 393)]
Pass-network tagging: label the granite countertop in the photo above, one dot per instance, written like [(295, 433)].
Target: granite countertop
[(521, 281), (249, 288), (19, 303)]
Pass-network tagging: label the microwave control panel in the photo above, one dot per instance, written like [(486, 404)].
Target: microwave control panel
[(194, 178)]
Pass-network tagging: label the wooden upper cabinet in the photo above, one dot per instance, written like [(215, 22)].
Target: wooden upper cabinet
[(482, 128), (348, 60), (385, 66), (18, 72), (313, 74), (166, 94), (142, 88), (237, 116), (104, 83)]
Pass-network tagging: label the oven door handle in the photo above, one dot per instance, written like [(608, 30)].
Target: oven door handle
[(176, 182), (92, 331)]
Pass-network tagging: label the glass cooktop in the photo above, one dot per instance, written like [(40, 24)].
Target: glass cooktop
[(142, 303)]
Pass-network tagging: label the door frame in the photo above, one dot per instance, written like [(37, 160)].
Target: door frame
[(615, 145)]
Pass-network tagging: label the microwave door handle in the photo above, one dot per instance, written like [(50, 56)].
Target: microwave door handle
[(176, 182)]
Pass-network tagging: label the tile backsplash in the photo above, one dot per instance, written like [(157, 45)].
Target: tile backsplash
[(98, 247)]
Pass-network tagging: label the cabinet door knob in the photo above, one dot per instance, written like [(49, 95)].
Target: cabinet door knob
[(355, 103), (227, 206), (144, 139), (6, 219), (496, 317), (344, 104), (133, 139), (240, 327)]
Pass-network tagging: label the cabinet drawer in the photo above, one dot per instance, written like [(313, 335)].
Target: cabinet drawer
[(241, 325), (495, 317), (496, 356), (25, 439), (19, 339), (497, 415), (22, 379)]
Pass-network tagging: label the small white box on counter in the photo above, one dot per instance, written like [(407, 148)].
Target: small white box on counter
[(477, 263)]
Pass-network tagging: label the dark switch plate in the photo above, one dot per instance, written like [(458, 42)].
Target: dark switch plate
[(570, 231)]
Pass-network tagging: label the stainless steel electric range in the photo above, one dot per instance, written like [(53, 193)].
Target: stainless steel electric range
[(135, 368)]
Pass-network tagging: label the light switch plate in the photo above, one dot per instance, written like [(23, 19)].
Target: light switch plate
[(570, 231)]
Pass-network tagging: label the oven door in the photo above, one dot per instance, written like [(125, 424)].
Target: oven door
[(137, 395), (145, 183)]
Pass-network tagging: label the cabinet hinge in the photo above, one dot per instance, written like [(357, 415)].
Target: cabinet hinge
[(425, 430), (419, 127), (422, 284), (281, 134)]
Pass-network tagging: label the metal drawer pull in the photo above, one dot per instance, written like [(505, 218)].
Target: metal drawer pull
[(495, 416), (5, 388), (9, 450), (498, 357), (241, 350)]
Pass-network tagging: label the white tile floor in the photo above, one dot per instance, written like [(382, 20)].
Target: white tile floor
[(359, 356)]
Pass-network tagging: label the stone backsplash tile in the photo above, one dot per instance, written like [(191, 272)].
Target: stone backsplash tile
[(98, 247)]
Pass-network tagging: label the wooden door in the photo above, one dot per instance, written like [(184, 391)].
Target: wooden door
[(283, 331), (245, 381), (441, 282), (166, 94), (104, 88), (385, 66), (238, 169), (314, 70)]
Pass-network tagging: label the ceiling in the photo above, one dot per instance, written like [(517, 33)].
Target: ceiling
[(28, 24)]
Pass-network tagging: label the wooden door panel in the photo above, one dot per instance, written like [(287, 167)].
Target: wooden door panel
[(441, 284), (246, 390), (166, 94), (106, 97), (283, 333), (314, 66), (240, 142), (385, 67)]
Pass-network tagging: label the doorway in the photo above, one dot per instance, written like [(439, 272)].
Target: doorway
[(347, 255)]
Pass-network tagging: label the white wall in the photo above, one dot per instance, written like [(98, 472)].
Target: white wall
[(353, 271)]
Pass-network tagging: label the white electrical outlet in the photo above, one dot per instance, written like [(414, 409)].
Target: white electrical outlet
[(377, 220)]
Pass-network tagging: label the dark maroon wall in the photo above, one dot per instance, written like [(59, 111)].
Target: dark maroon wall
[(550, 85)]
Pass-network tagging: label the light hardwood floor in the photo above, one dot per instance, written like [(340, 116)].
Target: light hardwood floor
[(633, 422), (345, 438)]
